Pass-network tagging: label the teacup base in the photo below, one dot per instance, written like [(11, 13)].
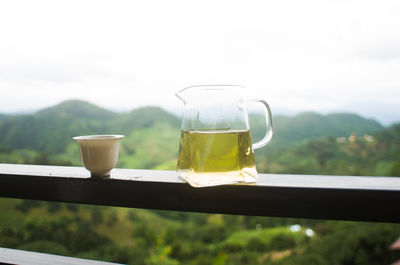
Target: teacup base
[(100, 175)]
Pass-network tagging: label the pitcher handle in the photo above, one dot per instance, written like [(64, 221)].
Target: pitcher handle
[(268, 119)]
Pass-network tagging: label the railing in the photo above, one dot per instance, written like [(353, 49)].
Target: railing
[(22, 257), (375, 199)]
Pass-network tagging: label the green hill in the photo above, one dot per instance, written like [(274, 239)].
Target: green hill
[(296, 129), (144, 117), (76, 109), (50, 130), (312, 125), (375, 154)]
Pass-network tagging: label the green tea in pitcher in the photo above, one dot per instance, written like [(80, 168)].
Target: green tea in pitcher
[(208, 158)]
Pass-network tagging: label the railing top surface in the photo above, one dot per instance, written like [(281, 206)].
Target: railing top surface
[(168, 176), (303, 196), (23, 257)]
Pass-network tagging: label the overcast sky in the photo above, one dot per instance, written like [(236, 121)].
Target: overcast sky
[(324, 56)]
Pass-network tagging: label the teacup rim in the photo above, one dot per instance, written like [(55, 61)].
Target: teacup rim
[(99, 137)]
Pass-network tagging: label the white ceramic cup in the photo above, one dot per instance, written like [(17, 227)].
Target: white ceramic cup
[(99, 153)]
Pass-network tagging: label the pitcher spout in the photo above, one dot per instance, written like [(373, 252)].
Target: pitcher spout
[(182, 94), (179, 95)]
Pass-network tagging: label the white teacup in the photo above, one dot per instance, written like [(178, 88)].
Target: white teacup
[(99, 153)]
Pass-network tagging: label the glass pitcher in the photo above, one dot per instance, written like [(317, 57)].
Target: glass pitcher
[(215, 146)]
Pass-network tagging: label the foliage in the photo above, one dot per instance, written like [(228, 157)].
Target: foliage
[(350, 243), (277, 238), (379, 156)]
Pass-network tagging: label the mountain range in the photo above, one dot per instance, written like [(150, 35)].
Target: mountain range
[(51, 130)]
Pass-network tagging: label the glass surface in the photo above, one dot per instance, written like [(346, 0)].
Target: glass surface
[(215, 146), (209, 158)]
